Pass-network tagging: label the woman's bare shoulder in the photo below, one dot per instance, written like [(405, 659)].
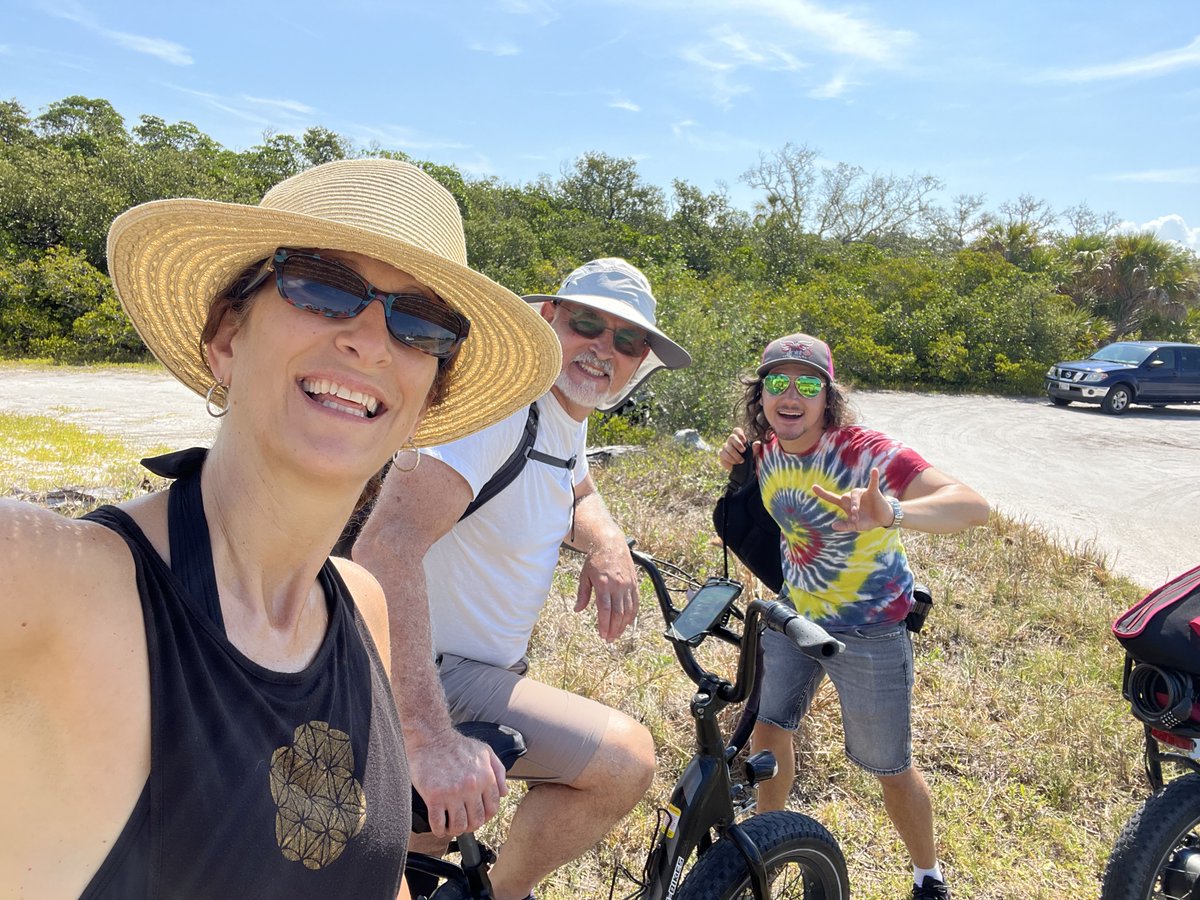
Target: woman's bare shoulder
[(369, 598), (51, 568)]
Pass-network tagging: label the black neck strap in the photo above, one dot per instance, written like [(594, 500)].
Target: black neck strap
[(187, 526)]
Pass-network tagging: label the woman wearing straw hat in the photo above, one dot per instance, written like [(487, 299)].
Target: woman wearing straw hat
[(194, 699)]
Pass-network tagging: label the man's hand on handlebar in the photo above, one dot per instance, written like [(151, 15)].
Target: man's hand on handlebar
[(461, 781)]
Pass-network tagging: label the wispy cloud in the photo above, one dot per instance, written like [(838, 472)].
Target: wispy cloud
[(1186, 175), (227, 105), (539, 10), (291, 106), (719, 59), (816, 26), (840, 32), (167, 51), (622, 103), (478, 165), (690, 132), (262, 112), (757, 53), (832, 89), (612, 41), (788, 36), (407, 139), (715, 75), (496, 48), (1136, 67), (680, 129)]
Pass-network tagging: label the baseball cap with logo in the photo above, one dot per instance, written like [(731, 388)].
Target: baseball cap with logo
[(798, 348)]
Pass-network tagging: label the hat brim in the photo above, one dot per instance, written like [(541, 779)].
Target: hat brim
[(767, 367), (669, 353), (664, 352), (170, 258)]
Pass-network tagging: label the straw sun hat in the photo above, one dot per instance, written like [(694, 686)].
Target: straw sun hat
[(170, 258)]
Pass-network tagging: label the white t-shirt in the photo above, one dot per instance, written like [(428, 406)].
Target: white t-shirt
[(490, 574)]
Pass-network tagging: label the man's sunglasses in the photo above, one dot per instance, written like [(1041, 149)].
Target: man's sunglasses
[(777, 383), (585, 323), (330, 288)]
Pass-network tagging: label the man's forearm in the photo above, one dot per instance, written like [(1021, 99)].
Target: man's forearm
[(594, 525), (948, 510), (415, 683)]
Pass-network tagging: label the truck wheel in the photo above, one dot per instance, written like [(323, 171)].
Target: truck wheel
[(1117, 400)]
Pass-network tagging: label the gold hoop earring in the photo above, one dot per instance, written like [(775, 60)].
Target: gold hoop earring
[(410, 448), (210, 404)]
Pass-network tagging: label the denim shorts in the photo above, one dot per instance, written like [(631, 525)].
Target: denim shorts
[(874, 679)]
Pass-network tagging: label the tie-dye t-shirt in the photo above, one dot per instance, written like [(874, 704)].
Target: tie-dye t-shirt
[(839, 578)]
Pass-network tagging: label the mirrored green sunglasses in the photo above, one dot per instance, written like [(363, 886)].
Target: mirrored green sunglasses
[(777, 383)]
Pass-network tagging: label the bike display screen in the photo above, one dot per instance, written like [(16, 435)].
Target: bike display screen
[(706, 608)]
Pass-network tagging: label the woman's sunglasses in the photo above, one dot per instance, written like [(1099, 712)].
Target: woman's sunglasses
[(585, 323), (329, 288), (806, 385)]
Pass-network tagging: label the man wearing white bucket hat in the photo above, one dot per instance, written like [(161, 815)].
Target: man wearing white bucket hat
[(480, 580)]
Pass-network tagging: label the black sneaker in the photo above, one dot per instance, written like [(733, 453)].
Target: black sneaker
[(931, 889)]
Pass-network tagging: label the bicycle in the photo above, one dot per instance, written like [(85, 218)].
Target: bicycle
[(711, 816), (1157, 854)]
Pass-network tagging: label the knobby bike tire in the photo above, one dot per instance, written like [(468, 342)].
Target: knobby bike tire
[(1159, 839), (803, 861)]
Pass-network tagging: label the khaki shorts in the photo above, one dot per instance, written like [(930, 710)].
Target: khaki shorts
[(562, 730)]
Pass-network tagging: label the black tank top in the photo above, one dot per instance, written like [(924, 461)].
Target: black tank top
[(262, 783)]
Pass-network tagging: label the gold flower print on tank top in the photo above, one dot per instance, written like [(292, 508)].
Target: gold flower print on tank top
[(321, 806)]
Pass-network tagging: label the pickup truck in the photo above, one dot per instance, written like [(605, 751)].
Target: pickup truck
[(1149, 372)]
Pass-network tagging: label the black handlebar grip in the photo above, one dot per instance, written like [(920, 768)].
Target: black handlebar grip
[(808, 636)]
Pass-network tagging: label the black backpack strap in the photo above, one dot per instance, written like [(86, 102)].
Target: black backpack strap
[(511, 467)]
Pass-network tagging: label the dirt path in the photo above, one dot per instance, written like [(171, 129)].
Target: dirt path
[(1129, 485)]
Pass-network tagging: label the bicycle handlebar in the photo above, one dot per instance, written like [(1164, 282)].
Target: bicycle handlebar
[(811, 638), (804, 633)]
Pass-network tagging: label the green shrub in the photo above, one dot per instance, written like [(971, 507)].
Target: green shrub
[(604, 429), (59, 306)]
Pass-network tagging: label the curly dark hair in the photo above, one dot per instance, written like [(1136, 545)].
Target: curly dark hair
[(838, 411)]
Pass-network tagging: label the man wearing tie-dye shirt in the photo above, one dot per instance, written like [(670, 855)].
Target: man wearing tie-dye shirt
[(840, 494)]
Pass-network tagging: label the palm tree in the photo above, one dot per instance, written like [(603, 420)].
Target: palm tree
[(1137, 277)]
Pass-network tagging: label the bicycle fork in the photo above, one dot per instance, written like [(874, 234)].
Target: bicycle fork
[(702, 801)]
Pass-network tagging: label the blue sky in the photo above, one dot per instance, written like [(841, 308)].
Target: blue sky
[(1074, 102)]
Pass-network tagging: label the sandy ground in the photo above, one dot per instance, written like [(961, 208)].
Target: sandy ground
[(1128, 485)]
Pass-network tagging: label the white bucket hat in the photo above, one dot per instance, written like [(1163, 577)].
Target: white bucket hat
[(613, 286), (170, 258)]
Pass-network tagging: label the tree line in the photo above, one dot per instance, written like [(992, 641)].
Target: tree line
[(909, 291)]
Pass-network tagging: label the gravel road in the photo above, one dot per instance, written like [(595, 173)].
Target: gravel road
[(1129, 485)]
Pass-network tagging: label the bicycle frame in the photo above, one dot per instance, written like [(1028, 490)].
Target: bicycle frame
[(703, 799), (1155, 756)]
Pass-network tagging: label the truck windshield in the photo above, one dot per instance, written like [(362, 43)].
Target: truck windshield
[(1123, 353)]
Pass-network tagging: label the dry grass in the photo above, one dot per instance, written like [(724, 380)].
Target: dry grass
[(1019, 724), (40, 454)]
